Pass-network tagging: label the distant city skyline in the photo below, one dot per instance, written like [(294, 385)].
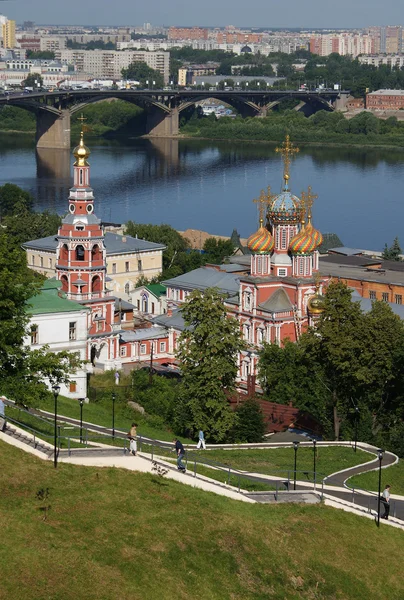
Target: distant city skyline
[(266, 13)]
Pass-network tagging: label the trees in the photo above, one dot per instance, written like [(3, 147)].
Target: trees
[(11, 197), (217, 250), (394, 252), (249, 426), (140, 71), (207, 350), (34, 80)]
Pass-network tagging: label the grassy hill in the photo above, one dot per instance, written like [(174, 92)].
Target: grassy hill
[(114, 534)]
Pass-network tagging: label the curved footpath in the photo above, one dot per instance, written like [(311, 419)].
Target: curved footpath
[(335, 486)]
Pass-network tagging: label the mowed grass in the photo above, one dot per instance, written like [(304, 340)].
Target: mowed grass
[(100, 413), (278, 461), (393, 476), (117, 534)]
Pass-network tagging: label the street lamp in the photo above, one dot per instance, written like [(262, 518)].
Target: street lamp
[(153, 84), (295, 447), (56, 392), (314, 460), (147, 83), (356, 426), (81, 401), (113, 414), (380, 453)]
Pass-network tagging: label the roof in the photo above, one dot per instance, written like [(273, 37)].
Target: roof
[(156, 289), (206, 277), (123, 305), (360, 273), (277, 302), (48, 301), (387, 93), (366, 306), (114, 243), (346, 251), (147, 333), (176, 320)]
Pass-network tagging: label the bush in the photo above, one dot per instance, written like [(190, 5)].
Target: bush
[(250, 426)]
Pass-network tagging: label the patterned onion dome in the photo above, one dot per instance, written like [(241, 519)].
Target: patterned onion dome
[(261, 242), (285, 207), (306, 241)]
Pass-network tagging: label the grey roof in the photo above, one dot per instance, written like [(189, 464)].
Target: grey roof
[(147, 333), (233, 300), (205, 277), (113, 242), (361, 273), (234, 268), (366, 305), (278, 302), (346, 251), (176, 320), (119, 302)]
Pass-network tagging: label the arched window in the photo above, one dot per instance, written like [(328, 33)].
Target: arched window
[(64, 252), (79, 252), (96, 284), (65, 283), (96, 252), (81, 177), (127, 288)]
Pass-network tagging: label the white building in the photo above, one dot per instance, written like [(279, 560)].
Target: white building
[(150, 300), (376, 60), (62, 325)]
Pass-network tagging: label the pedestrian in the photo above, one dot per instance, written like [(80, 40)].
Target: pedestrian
[(386, 502), (180, 450), (2, 415), (201, 440), (132, 437)]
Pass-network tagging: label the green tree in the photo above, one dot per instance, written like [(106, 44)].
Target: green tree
[(249, 426), (394, 252), (217, 250), (40, 55), (140, 71), (207, 350), (24, 225), (34, 80), (13, 198)]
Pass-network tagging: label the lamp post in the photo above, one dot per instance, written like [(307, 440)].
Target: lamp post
[(356, 426), (56, 391), (380, 453), (147, 83), (113, 414), (295, 447), (81, 401), (314, 460)]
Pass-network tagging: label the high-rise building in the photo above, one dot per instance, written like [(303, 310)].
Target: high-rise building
[(8, 29), (187, 33)]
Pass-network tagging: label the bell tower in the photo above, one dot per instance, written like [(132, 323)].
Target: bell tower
[(80, 255)]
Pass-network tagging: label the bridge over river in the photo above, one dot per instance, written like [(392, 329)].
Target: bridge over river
[(53, 110)]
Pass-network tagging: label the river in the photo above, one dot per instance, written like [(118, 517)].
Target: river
[(210, 185)]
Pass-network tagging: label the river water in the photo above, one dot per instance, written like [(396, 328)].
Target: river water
[(210, 185)]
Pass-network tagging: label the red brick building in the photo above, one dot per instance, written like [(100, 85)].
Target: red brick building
[(187, 33), (385, 100)]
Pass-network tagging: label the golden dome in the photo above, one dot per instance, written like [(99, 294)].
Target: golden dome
[(315, 305), (81, 153)]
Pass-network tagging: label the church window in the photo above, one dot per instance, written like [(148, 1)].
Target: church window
[(113, 268), (398, 299), (247, 301), (283, 239), (372, 294), (72, 330), (127, 267), (138, 304), (64, 253), (162, 346), (259, 264), (385, 296), (127, 288), (50, 263), (260, 335), (34, 335), (81, 176), (301, 266), (41, 260), (306, 267), (277, 237), (123, 351), (281, 272), (142, 348), (65, 283), (96, 284), (152, 308), (247, 333), (80, 252), (96, 253), (99, 325)]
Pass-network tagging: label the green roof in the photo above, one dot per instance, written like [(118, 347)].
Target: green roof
[(156, 289), (48, 301)]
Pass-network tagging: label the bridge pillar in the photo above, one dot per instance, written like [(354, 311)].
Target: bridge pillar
[(162, 124), (341, 102), (52, 130)]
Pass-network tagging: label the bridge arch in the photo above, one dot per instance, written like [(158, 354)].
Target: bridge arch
[(314, 101), (241, 103)]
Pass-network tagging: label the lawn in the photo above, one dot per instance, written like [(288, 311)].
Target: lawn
[(393, 476), (278, 461), (100, 413), (117, 534)]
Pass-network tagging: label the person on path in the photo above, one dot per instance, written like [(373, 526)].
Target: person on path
[(180, 450), (201, 440), (386, 502), (2, 415), (132, 437)]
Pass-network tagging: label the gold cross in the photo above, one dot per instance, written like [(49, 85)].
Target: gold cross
[(307, 201), (262, 202), (82, 119), (287, 150)]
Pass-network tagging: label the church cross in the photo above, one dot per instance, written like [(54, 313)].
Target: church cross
[(307, 201), (262, 202), (287, 150)]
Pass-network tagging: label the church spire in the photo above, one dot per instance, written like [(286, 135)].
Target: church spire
[(287, 150)]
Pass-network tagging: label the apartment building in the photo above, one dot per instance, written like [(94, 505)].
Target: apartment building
[(385, 100), (345, 44), (187, 33), (376, 60), (109, 63), (386, 40), (8, 30), (52, 43)]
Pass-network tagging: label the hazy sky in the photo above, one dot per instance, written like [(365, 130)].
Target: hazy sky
[(261, 13)]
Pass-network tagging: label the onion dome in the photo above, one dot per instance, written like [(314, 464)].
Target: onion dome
[(81, 153), (306, 241), (315, 305), (262, 241), (285, 207)]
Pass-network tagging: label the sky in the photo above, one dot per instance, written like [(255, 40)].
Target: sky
[(259, 13)]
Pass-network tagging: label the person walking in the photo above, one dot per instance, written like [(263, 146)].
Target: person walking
[(201, 440), (386, 502), (132, 435), (2, 415), (180, 450)]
